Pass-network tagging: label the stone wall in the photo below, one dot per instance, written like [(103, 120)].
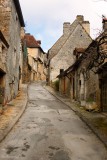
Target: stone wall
[(35, 60), (10, 26), (79, 38), (33, 52), (3, 55)]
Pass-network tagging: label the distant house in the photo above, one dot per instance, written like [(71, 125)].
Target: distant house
[(11, 21), (60, 55), (35, 57)]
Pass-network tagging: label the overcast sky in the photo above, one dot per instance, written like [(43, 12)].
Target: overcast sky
[(44, 18)]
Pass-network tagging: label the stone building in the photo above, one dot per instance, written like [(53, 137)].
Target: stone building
[(25, 67), (3, 68), (102, 68), (60, 55), (35, 55), (85, 80), (11, 21), (77, 81)]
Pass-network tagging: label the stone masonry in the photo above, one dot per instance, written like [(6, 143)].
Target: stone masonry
[(74, 35), (11, 21)]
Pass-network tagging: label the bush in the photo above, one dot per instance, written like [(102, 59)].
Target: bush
[(56, 85)]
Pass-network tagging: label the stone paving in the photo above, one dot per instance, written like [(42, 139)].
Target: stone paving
[(50, 130), (96, 121), (12, 112)]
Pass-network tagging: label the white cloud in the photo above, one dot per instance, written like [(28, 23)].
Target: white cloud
[(45, 18)]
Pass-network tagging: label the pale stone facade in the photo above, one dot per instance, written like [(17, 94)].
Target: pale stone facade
[(33, 63), (11, 21), (73, 83), (61, 53)]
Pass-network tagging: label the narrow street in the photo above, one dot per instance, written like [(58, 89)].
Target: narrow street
[(49, 130)]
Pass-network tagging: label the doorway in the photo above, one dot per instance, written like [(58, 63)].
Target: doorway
[(2, 88), (104, 94)]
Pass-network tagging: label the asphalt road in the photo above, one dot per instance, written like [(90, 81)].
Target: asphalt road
[(49, 130)]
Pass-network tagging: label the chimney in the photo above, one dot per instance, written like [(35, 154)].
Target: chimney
[(39, 42), (61, 71), (86, 25), (80, 18), (66, 28), (104, 24), (28, 34)]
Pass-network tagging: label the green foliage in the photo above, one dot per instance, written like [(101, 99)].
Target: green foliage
[(55, 84), (92, 97)]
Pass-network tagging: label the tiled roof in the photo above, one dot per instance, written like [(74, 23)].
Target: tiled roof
[(78, 52), (31, 41)]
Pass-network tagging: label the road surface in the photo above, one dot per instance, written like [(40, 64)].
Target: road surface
[(49, 130)]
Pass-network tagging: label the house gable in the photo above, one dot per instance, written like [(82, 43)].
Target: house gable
[(67, 31), (64, 58), (60, 42)]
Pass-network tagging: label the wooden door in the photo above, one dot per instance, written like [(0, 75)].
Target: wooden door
[(2, 89), (1, 95), (104, 94)]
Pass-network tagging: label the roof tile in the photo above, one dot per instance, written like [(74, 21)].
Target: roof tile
[(31, 42)]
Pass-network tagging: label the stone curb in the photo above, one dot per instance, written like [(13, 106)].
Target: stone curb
[(13, 121), (83, 118)]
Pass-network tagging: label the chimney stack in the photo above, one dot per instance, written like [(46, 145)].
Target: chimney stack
[(80, 18), (86, 25), (39, 42)]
